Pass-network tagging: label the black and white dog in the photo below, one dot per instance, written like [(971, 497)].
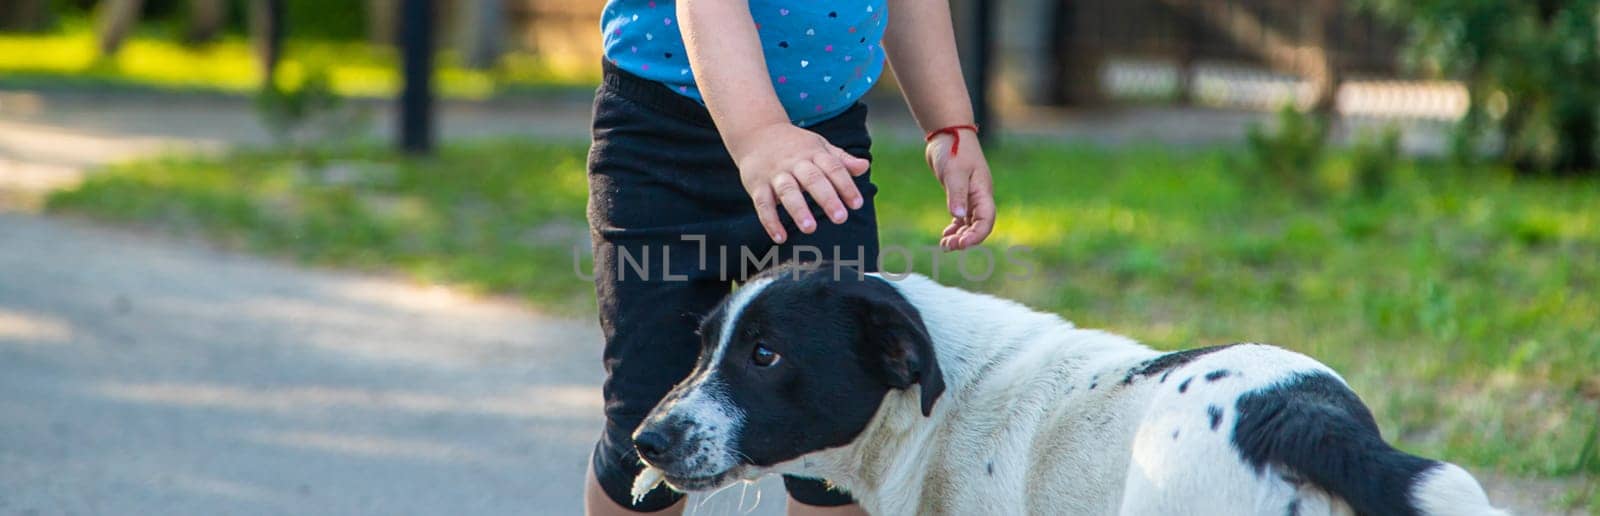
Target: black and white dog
[(924, 399)]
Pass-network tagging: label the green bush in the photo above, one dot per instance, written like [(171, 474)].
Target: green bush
[(1373, 159), (1289, 156), (309, 115), (1532, 68), (340, 20)]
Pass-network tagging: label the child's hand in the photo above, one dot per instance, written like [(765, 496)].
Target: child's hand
[(781, 163), (969, 191)]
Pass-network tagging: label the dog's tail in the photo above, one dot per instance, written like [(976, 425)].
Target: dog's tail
[(1315, 427), (1448, 489)]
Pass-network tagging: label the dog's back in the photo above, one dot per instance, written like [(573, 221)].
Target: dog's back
[(1252, 429)]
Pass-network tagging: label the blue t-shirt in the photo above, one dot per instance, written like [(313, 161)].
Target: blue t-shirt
[(822, 55)]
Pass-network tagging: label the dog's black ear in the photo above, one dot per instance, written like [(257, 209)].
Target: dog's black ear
[(897, 345)]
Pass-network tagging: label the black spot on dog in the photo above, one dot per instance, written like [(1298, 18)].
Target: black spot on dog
[(1164, 376), (1216, 415), (1314, 425), (1174, 434), (1184, 387), (864, 338), (1092, 385), (990, 468), (1166, 363), (1294, 507), (1217, 375)]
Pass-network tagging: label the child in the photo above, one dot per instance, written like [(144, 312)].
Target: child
[(712, 107)]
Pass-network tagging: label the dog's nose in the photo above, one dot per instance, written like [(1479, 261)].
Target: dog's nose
[(651, 444)]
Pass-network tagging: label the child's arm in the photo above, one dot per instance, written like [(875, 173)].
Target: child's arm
[(778, 162), (922, 48)]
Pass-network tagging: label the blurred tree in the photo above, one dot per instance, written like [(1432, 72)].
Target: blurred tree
[(1288, 157), (267, 31), (207, 18), (1323, 67), (1532, 68), (381, 21), (25, 15), (114, 19), (339, 20), (1075, 60), (309, 117)]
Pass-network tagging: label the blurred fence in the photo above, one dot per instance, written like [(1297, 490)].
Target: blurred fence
[(1320, 41), (1251, 54), (560, 30)]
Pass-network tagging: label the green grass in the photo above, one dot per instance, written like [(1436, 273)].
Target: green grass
[(154, 59), (1462, 304)]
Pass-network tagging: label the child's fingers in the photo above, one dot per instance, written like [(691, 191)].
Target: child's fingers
[(767, 212), (948, 238), (983, 210), (794, 201), (817, 183), (979, 228), (856, 166), (955, 224), (839, 172), (847, 191), (952, 242), (955, 190)]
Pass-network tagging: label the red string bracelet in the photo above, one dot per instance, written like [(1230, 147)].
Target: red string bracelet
[(955, 132)]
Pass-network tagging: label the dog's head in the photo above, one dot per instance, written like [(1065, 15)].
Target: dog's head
[(796, 361)]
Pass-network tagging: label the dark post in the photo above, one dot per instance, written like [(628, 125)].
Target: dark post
[(978, 81), (1080, 40), (1186, 48), (267, 24), (416, 97)]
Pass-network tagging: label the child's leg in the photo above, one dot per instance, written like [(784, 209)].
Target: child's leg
[(644, 198), (671, 223), (651, 344)]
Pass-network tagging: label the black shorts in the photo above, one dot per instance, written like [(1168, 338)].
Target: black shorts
[(673, 229)]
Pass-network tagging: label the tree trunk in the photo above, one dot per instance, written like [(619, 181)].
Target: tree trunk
[(114, 21), (382, 22), (1576, 126), (1324, 67), (1186, 51), (1077, 59), (206, 18), (266, 32)]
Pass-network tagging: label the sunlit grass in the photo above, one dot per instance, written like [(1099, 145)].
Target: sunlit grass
[(1462, 305), (229, 65)]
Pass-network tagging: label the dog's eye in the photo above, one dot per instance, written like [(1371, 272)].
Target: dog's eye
[(764, 357)]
